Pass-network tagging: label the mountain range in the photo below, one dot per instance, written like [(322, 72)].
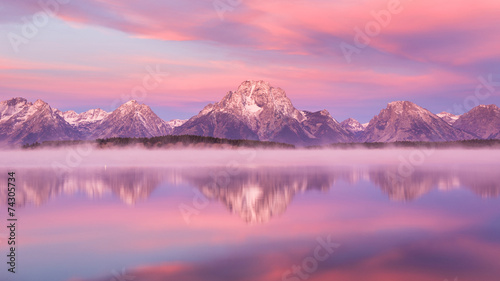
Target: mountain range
[(255, 111)]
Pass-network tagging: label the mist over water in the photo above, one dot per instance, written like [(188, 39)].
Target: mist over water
[(74, 157)]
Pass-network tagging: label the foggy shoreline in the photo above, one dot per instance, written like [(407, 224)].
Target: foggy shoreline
[(91, 157)]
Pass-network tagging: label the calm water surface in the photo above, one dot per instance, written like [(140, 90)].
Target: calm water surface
[(262, 223)]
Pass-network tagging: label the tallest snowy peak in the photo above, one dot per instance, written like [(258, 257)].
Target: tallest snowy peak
[(254, 83), (249, 87), (131, 102), (406, 107), (401, 103), (259, 111), (255, 97)]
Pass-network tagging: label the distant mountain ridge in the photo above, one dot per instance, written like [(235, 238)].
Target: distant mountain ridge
[(354, 127), (23, 122), (448, 117), (255, 111), (483, 121), (406, 121), (131, 119)]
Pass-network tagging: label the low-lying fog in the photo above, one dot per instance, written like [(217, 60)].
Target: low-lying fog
[(88, 157)]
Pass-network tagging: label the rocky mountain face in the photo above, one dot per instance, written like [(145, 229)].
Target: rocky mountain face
[(84, 122), (406, 121), (88, 117), (131, 120), (354, 127), (482, 121), (325, 128), (255, 111), (23, 122), (176, 123), (448, 117), (258, 111)]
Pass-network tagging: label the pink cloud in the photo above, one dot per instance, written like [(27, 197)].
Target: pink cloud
[(294, 45)]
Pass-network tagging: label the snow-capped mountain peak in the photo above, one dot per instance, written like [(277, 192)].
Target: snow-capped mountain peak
[(448, 117), (483, 121), (25, 122), (131, 119), (84, 118), (406, 107), (406, 121), (259, 111), (257, 104), (70, 114), (253, 97), (327, 114), (352, 125), (255, 111), (176, 123), (130, 103), (11, 107)]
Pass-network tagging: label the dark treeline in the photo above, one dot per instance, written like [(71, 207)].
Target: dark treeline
[(189, 140), (163, 141), (477, 143)]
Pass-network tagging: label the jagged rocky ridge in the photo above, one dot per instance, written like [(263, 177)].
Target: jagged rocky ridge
[(406, 121), (258, 111), (255, 111), (23, 122), (483, 121)]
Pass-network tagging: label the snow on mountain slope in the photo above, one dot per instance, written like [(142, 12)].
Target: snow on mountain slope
[(131, 120), (22, 122), (482, 121), (25, 122), (406, 121), (352, 125), (11, 107), (176, 123), (258, 111), (255, 111), (448, 117), (325, 128), (84, 118)]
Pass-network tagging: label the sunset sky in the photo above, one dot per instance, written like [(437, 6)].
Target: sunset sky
[(94, 53)]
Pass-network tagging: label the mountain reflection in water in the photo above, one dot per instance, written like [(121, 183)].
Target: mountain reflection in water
[(256, 195), (98, 224)]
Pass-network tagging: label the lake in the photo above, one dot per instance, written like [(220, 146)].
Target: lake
[(256, 222)]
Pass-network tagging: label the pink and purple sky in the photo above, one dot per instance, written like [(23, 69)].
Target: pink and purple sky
[(92, 53)]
